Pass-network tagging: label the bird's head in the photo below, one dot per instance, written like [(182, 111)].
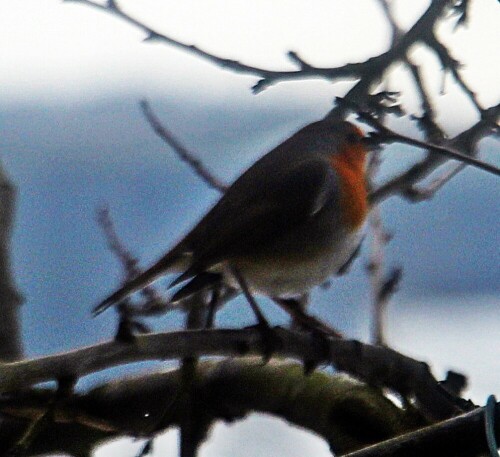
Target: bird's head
[(340, 140)]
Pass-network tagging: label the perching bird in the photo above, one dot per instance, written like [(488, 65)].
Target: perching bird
[(290, 221)]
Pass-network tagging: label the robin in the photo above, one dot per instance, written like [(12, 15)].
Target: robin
[(290, 221)]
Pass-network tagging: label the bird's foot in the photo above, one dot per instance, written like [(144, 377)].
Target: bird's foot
[(321, 345), (270, 341)]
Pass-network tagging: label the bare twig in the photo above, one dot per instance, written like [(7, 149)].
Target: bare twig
[(128, 262), (451, 64), (465, 141), (427, 121), (379, 65), (386, 135), (396, 31), (367, 72), (154, 303), (180, 150), (268, 77), (420, 193), (377, 276), (391, 136), (33, 431), (382, 285)]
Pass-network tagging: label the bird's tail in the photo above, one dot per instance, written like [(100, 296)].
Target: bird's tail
[(162, 266)]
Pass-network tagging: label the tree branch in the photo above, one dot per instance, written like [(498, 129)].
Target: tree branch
[(461, 436), (420, 193), (366, 72), (382, 285), (229, 390), (375, 365), (396, 31), (375, 267), (10, 298), (155, 304), (427, 122), (268, 77), (398, 52), (186, 156), (386, 135), (451, 64), (465, 141)]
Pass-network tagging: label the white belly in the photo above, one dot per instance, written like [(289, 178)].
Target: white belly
[(281, 278)]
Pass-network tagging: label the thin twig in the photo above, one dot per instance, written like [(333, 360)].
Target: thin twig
[(366, 72), (128, 261), (382, 285), (154, 303), (424, 26), (451, 64), (396, 31), (375, 270), (419, 193), (32, 432), (427, 121), (180, 150), (268, 77), (386, 135)]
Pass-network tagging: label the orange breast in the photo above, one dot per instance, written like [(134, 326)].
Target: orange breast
[(349, 164)]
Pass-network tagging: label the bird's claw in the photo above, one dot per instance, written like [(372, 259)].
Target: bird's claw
[(269, 340), (321, 344)]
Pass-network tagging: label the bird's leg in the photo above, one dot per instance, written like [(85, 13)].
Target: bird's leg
[(221, 294), (347, 266), (212, 306), (294, 308), (268, 336), (261, 320), (128, 325)]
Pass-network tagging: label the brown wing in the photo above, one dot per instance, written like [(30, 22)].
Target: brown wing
[(274, 204)]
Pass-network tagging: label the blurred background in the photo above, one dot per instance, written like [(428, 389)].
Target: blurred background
[(73, 139)]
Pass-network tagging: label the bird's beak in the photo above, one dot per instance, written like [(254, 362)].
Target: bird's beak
[(371, 140)]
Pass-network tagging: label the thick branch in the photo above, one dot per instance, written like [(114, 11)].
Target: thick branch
[(334, 407), (375, 365), (462, 436)]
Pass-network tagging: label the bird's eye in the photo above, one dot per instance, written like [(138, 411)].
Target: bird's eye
[(353, 138)]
